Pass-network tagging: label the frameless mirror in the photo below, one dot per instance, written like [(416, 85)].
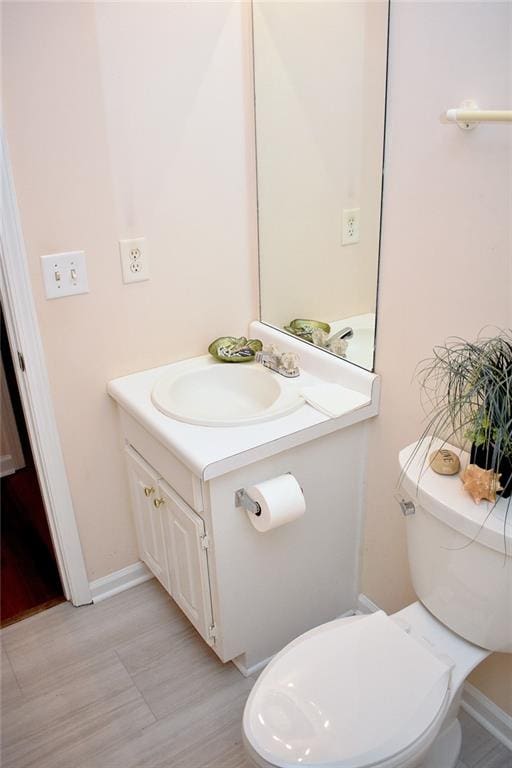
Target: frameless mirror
[(320, 87)]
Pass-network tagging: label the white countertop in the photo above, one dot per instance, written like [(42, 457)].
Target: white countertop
[(212, 451)]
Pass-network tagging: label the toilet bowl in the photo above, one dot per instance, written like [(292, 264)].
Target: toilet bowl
[(361, 691), (379, 691)]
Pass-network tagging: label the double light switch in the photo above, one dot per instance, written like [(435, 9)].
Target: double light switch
[(64, 274)]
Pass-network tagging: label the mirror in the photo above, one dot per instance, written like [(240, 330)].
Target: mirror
[(320, 88)]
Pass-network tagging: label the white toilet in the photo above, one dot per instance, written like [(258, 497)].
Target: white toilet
[(384, 691)]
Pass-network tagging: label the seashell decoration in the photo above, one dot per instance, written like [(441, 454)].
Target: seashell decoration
[(317, 333), (229, 349), (444, 462), (481, 483), (304, 328)]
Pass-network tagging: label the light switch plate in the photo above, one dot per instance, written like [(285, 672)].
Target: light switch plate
[(64, 274)]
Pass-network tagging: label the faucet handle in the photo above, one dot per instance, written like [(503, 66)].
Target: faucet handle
[(271, 349), (338, 347), (319, 337), (290, 361)]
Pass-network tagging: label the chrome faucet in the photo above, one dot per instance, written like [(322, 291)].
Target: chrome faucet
[(285, 363), (345, 333)]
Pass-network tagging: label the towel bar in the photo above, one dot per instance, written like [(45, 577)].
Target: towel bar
[(468, 115)]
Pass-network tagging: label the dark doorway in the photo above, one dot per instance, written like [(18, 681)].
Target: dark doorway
[(30, 579)]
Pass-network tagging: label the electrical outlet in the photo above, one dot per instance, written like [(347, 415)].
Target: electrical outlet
[(350, 226), (134, 260)]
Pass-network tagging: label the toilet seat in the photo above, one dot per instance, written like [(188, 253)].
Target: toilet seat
[(352, 693)]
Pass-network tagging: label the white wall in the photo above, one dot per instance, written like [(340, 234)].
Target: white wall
[(124, 120), (446, 260)]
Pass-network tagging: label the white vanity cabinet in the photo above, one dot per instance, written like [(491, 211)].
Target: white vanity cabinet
[(249, 593), (147, 513), (172, 542), (186, 544)]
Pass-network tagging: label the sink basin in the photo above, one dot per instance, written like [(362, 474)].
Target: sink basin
[(225, 395)]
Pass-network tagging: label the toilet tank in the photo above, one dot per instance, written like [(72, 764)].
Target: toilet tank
[(460, 553)]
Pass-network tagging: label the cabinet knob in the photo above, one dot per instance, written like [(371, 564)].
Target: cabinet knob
[(158, 502), (148, 490)]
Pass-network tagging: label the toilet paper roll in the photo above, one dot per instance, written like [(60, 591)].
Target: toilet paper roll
[(281, 500)]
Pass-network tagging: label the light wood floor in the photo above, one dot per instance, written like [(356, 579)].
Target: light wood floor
[(128, 683)]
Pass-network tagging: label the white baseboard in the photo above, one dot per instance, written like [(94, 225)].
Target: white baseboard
[(7, 465), (486, 712), (365, 605), (248, 671), (116, 582)]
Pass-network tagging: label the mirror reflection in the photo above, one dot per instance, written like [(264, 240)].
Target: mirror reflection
[(320, 81)]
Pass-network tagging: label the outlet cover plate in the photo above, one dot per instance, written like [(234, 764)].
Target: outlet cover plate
[(134, 260), (64, 274), (350, 226)]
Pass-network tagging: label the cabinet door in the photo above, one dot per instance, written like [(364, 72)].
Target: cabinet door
[(147, 508), (186, 546)]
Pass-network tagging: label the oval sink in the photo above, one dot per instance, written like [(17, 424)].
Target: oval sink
[(225, 395)]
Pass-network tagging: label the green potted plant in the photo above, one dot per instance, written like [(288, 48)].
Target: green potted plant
[(468, 389)]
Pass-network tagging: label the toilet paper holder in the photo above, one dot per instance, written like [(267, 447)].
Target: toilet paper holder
[(242, 499)]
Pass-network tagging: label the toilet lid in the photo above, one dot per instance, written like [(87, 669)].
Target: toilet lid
[(350, 693)]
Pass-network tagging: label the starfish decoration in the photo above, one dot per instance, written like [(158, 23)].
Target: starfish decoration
[(481, 483)]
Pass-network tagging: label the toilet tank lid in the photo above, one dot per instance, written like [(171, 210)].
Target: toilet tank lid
[(350, 693), (444, 497)]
